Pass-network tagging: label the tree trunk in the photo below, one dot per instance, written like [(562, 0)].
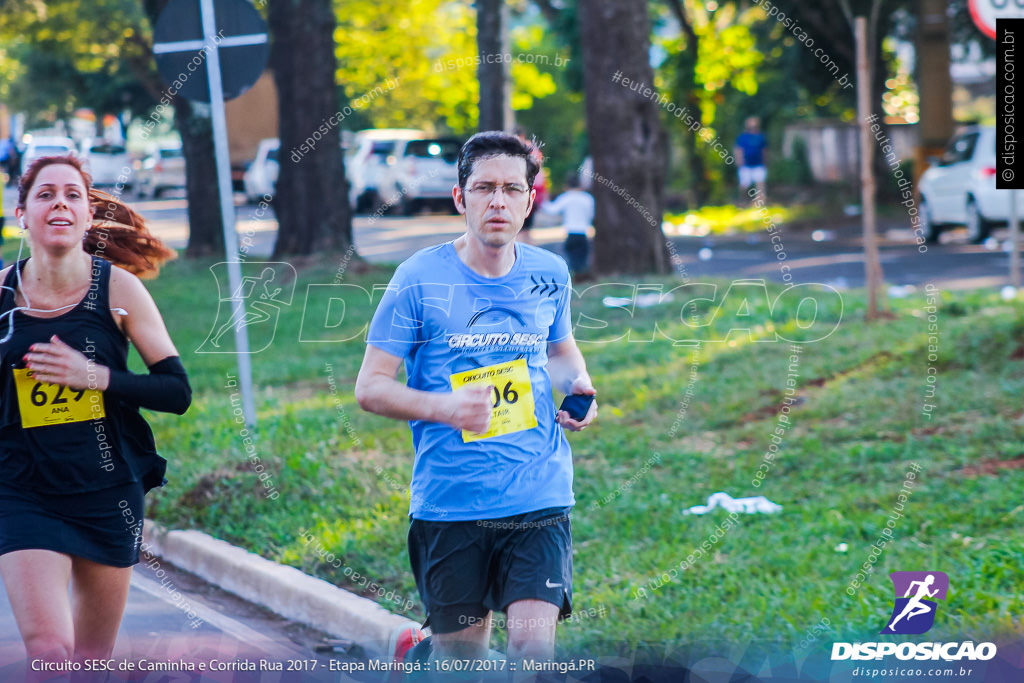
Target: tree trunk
[(311, 199), (493, 71), (872, 260), (205, 231), (700, 187), (626, 140), (935, 83), (205, 224)]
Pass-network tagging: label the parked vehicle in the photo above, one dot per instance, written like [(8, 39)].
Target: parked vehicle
[(961, 188), (106, 161), (260, 178), (420, 171), (367, 162), (162, 169), (46, 146)]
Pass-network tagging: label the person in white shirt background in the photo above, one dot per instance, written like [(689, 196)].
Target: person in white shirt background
[(576, 207)]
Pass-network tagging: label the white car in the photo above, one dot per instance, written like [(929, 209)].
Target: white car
[(162, 169), (260, 178), (421, 171), (367, 163), (961, 188), (46, 146), (106, 161)]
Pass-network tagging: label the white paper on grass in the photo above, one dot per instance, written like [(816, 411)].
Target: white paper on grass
[(640, 301), (750, 506)]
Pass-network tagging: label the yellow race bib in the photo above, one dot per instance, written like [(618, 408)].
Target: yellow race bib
[(43, 404), (512, 395)]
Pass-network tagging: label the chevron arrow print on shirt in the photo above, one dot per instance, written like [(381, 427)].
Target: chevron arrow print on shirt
[(543, 287)]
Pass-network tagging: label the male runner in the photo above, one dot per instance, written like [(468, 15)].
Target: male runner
[(482, 324)]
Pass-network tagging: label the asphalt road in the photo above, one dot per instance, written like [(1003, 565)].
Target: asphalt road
[(174, 617), (837, 259)]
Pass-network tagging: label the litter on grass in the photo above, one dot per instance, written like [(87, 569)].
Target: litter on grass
[(750, 506), (640, 300)]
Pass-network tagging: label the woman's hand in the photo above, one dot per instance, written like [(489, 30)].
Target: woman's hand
[(58, 363)]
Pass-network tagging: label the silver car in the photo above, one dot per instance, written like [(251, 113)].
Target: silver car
[(108, 163), (260, 178), (367, 163), (162, 169), (961, 188), (46, 146), (420, 172)]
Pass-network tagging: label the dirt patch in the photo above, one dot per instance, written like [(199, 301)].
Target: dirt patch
[(211, 486), (990, 468), (771, 410)]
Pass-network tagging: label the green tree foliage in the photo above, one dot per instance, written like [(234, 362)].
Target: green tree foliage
[(556, 117), (811, 67), (727, 56), (429, 48), (712, 67), (55, 57), (424, 45), (529, 52)]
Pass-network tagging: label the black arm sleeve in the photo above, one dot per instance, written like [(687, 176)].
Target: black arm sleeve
[(165, 388)]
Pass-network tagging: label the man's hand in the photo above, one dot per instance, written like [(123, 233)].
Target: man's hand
[(580, 385), (58, 363), (470, 408)]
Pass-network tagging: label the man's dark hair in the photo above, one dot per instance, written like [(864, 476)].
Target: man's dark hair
[(493, 143), (572, 181)]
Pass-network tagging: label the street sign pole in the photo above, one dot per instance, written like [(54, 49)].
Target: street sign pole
[(1014, 241), (227, 212), (179, 33)]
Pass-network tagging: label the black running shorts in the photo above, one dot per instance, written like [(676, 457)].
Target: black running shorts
[(464, 570)]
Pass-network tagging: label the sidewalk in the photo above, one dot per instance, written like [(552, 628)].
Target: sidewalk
[(283, 590)]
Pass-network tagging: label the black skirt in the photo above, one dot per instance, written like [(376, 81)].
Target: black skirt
[(104, 526)]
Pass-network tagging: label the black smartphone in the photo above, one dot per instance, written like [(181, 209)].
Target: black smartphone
[(576, 405)]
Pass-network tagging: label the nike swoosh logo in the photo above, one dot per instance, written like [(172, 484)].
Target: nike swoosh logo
[(547, 582)]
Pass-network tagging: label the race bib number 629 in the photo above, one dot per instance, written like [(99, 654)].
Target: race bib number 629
[(42, 404)]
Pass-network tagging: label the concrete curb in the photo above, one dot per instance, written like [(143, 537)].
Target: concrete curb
[(283, 590)]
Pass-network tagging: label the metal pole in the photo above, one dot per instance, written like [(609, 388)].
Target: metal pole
[(1014, 241), (227, 210)]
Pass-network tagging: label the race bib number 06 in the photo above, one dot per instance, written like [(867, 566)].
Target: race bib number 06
[(512, 396), (42, 404)]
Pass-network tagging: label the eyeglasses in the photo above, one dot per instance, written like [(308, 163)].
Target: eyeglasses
[(511, 190)]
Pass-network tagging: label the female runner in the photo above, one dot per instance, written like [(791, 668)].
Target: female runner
[(76, 456)]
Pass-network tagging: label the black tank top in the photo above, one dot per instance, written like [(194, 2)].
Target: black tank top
[(58, 440)]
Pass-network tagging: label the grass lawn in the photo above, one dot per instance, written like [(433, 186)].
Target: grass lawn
[(678, 422), (729, 219)]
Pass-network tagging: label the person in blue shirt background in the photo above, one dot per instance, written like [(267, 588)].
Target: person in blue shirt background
[(750, 152), (482, 325), (10, 159)]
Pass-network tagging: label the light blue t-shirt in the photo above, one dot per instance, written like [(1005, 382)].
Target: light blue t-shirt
[(443, 318)]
